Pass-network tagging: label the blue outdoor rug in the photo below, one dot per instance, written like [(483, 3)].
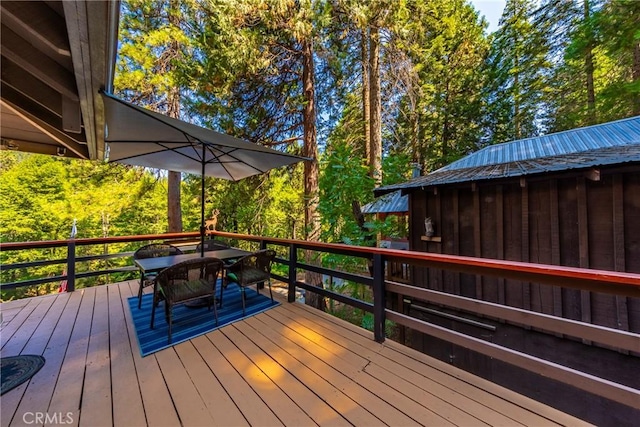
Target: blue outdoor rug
[(191, 322)]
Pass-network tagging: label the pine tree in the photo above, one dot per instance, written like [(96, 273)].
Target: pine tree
[(619, 23), (515, 67), (440, 47), (152, 40), (263, 57)]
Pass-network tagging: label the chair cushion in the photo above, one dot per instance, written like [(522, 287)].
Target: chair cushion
[(189, 289), (249, 276)]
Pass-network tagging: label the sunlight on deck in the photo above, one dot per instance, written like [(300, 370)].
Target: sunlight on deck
[(290, 365)]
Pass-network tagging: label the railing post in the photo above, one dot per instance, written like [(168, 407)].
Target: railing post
[(379, 302), (71, 259), (293, 263), (71, 265), (263, 246)]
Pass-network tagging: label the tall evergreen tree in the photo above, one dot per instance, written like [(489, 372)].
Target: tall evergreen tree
[(439, 50), (377, 16), (565, 100), (516, 65), (174, 212), (366, 21), (152, 39), (619, 23), (262, 56)]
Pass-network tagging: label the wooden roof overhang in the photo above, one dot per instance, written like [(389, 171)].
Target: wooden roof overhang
[(56, 55)]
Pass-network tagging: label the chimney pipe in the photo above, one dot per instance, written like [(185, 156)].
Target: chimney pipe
[(416, 170)]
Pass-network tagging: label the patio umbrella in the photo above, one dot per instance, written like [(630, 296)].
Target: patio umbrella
[(140, 137)]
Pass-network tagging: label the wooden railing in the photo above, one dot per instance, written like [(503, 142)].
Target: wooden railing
[(72, 259), (623, 284)]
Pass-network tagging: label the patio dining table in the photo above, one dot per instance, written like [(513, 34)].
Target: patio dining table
[(154, 265)]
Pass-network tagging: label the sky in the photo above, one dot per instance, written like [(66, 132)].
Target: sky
[(492, 10)]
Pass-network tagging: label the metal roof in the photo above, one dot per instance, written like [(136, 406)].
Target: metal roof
[(389, 203), (605, 144)]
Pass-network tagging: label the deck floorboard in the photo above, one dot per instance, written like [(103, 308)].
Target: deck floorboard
[(290, 365)]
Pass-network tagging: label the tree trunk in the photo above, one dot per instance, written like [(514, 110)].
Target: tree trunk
[(635, 73), (375, 162), (416, 156), (516, 94), (589, 69), (174, 213), (359, 217), (446, 136), (366, 102), (311, 215)]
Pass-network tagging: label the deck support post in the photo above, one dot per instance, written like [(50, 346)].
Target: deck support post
[(293, 263), (379, 302)]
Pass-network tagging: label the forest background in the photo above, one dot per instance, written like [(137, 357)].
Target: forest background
[(364, 88)]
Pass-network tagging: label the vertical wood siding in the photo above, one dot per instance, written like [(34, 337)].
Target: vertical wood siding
[(562, 220)]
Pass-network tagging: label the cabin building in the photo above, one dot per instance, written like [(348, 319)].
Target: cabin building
[(571, 198)]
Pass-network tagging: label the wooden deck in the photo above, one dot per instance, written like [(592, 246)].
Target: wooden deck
[(289, 366)]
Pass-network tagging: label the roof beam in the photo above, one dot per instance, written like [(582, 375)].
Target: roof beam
[(30, 87), (35, 22), (38, 148), (44, 95), (43, 120), (33, 62)]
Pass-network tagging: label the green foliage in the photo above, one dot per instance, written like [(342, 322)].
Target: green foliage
[(266, 204), (344, 180), (43, 195), (32, 204), (618, 22), (367, 323), (442, 48), (563, 49), (152, 38), (515, 66), (397, 168)]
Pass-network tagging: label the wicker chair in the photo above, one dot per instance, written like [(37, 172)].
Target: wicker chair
[(152, 250), (212, 245), (189, 280), (250, 270)]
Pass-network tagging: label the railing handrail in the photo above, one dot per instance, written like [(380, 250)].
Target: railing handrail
[(612, 282), (12, 246), (71, 258)]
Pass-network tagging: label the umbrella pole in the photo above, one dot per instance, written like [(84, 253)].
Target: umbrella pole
[(202, 205)]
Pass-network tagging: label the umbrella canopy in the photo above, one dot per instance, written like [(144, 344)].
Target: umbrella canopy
[(140, 137)]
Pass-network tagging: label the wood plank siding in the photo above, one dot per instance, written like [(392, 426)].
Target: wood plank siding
[(560, 220), (291, 365), (571, 218)]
